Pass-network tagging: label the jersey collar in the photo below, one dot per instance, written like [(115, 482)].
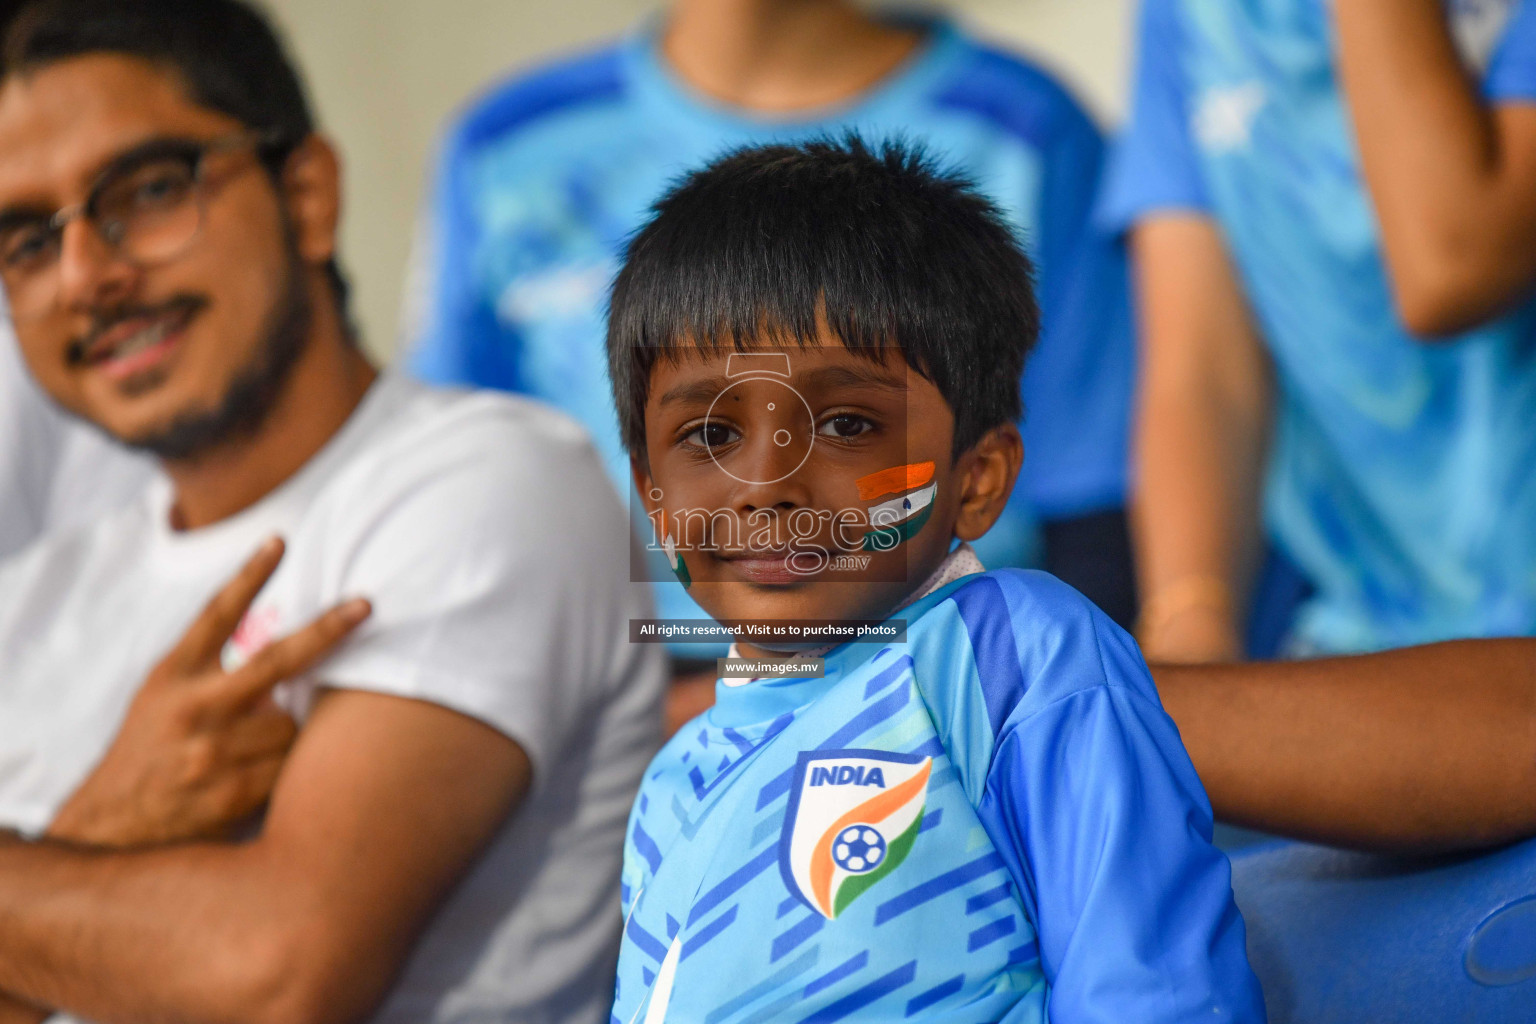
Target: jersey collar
[(761, 701)]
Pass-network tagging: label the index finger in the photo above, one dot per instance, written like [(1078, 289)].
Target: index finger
[(200, 645), (286, 658)]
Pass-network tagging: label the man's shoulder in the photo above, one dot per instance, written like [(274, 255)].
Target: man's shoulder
[(430, 413), (1011, 92), (495, 550), (534, 95), (500, 455)]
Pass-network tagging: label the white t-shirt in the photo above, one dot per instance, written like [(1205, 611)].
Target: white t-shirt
[(496, 554), (55, 471)]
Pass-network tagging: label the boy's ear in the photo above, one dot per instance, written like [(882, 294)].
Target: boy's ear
[(640, 469), (987, 473)]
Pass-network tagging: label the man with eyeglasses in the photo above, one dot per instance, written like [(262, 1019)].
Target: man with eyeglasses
[(438, 837)]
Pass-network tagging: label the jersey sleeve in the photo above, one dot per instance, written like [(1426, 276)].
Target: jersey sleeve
[(1512, 74), (453, 336), (1092, 801), (1077, 387), (1154, 166)]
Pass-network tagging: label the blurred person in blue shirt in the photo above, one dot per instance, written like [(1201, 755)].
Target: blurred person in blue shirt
[(1332, 207), (542, 179)]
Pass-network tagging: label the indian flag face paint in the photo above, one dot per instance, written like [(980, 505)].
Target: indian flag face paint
[(675, 560), (903, 501)]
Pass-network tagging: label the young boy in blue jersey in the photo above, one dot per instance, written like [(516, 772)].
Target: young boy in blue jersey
[(542, 179), (815, 353)]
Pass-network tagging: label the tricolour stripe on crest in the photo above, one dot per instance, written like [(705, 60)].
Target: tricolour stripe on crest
[(871, 811)]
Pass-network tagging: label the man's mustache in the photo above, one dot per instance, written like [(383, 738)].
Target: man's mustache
[(103, 321)]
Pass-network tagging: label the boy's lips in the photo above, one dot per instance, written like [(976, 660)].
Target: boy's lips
[(771, 567)]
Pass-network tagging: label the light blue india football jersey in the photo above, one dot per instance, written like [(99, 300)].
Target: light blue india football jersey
[(542, 181), (1403, 473), (993, 821)]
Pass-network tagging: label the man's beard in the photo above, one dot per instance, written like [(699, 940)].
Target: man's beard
[(257, 386)]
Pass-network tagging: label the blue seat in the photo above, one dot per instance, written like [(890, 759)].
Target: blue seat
[(1351, 938)]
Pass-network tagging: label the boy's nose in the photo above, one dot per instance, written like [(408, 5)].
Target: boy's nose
[(770, 479), (770, 457)]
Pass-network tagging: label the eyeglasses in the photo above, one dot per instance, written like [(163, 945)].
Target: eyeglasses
[(148, 207)]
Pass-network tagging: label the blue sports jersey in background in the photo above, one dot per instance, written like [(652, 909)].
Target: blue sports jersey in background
[(542, 181), (1403, 473), (993, 821)]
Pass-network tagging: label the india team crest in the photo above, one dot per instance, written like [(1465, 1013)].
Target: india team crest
[(853, 817)]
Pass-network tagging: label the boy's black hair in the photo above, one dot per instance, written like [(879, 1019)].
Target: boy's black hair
[(225, 52), (890, 249)]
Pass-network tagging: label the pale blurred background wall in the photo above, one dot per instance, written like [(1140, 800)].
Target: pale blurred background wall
[(385, 74)]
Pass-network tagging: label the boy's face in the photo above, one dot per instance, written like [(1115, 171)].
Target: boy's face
[(811, 483)]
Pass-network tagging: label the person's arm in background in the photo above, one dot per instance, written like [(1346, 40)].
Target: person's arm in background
[(1204, 381), (1420, 750), (1202, 429), (1452, 175)]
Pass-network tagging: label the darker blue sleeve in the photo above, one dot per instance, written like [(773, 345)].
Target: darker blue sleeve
[(1154, 165), (1512, 74), (1093, 801), (1078, 384), (455, 338)]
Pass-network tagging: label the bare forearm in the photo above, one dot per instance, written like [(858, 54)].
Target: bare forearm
[(1450, 189), (1199, 458), (12, 1012), (1423, 749), (172, 934), (1201, 433), (307, 924)]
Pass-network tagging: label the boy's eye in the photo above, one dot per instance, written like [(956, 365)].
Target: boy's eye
[(845, 424), (711, 435)]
